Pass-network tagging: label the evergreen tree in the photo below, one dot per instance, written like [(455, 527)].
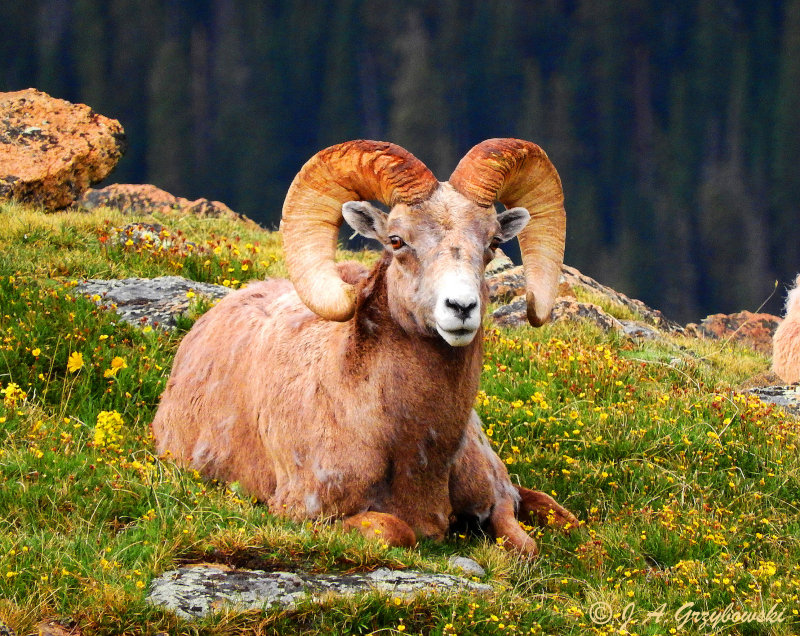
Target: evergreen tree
[(169, 123), (340, 110), (18, 47), (677, 255), (90, 51), (135, 32), (53, 73), (785, 182), (736, 267), (418, 117), (261, 174), (234, 121)]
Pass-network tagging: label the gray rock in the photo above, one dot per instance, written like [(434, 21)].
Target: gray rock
[(194, 591), (499, 263), (149, 301), (506, 283), (515, 314), (575, 280), (787, 397), (468, 566), (636, 329)]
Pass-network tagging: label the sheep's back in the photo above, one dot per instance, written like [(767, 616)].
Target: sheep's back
[(786, 349), (235, 363)]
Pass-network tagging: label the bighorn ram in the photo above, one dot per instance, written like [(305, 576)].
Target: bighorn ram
[(350, 394), (786, 341)]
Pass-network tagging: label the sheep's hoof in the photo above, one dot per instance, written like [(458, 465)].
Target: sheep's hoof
[(521, 544), (508, 532), (383, 527), (538, 508)]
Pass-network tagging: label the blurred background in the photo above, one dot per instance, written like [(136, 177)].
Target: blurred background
[(675, 125)]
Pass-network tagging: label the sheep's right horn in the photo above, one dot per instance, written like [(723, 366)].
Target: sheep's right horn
[(518, 173), (312, 213)]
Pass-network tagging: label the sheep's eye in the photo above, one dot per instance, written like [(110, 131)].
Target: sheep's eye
[(396, 242), (495, 243)]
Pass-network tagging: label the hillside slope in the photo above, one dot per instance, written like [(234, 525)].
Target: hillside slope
[(688, 491)]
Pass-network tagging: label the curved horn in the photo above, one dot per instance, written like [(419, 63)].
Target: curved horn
[(518, 173), (312, 213)]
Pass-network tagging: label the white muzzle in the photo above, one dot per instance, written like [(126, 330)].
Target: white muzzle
[(457, 313)]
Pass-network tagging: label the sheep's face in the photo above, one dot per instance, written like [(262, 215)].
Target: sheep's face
[(439, 249)]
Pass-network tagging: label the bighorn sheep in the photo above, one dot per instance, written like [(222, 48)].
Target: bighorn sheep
[(786, 341), (350, 394)]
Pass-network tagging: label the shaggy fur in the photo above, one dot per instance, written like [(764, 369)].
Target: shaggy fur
[(786, 341), (369, 420)]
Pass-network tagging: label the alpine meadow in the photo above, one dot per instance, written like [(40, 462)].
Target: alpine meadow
[(687, 487)]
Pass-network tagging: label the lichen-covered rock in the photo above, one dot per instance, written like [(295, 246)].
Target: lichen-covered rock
[(148, 199), (573, 310), (787, 397), (575, 280), (506, 284), (52, 150), (744, 327), (505, 280), (515, 314), (55, 628), (639, 330), (194, 591), (148, 301)]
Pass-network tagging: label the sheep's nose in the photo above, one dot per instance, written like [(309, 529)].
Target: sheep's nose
[(462, 307)]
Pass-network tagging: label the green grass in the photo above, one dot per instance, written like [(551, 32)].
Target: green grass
[(688, 491)]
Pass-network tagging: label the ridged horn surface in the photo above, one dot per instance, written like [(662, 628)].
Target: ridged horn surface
[(519, 173), (312, 213)]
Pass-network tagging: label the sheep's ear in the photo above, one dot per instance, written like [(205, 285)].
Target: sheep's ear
[(365, 219), (512, 221)]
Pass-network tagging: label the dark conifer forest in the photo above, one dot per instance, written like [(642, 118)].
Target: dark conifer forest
[(675, 125)]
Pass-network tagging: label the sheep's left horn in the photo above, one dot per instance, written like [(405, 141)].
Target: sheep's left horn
[(312, 213), (519, 173)]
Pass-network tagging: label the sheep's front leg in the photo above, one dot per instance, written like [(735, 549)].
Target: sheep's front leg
[(480, 488)]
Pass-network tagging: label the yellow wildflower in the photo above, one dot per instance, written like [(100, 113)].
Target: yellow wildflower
[(13, 394), (116, 364), (75, 362), (108, 431)]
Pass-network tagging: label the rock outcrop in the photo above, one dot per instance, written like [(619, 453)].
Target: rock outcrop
[(148, 301), (785, 396), (515, 313), (51, 151), (507, 286), (574, 302), (744, 327), (194, 591), (148, 199)]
